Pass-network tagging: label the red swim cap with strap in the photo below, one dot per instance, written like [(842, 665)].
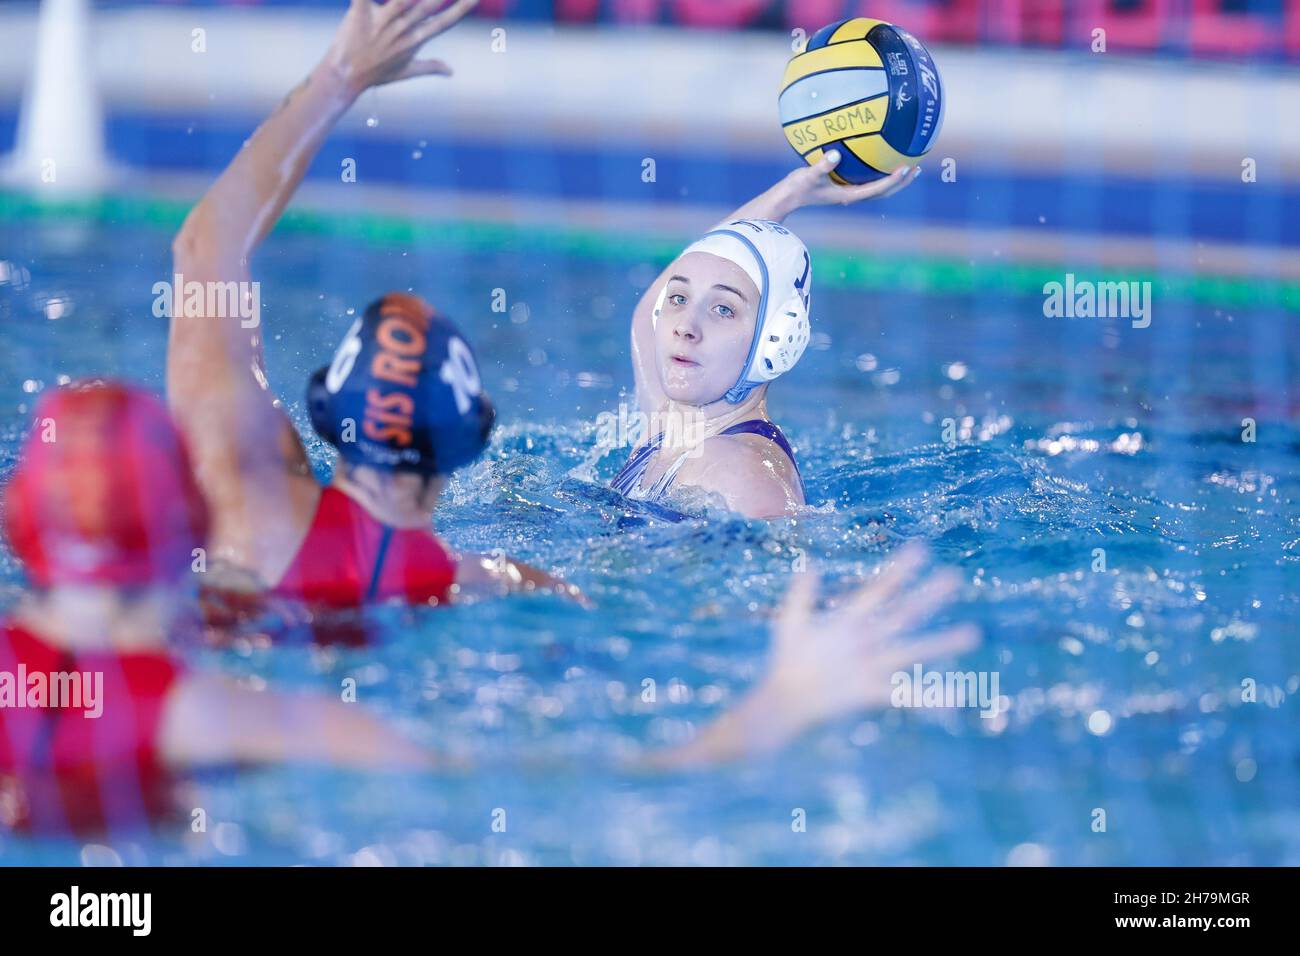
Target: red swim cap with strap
[(103, 492)]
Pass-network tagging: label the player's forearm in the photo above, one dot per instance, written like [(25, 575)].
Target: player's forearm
[(360, 740), (222, 231), (247, 199), (775, 204), (534, 579), (481, 576), (762, 722), (316, 729)]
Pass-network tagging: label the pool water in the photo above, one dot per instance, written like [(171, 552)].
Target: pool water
[(1062, 437)]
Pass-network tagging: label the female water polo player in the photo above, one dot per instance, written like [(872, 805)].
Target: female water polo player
[(96, 714), (104, 515), (727, 317), (402, 401)]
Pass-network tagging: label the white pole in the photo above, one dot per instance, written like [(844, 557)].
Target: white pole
[(60, 143)]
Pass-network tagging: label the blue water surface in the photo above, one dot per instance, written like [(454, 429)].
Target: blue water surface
[(1015, 444)]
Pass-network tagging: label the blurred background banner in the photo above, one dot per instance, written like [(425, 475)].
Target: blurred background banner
[(1132, 120), (1248, 30)]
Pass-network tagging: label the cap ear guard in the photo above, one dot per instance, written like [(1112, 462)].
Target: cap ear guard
[(320, 407), (779, 345), (783, 340), (463, 443)]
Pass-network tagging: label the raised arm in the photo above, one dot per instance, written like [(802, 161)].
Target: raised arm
[(805, 186), (813, 186), (248, 458), (829, 665)]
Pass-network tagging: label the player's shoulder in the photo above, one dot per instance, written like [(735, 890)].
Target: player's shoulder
[(750, 449), (752, 472)]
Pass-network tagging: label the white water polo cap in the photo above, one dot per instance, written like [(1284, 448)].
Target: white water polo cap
[(777, 262)]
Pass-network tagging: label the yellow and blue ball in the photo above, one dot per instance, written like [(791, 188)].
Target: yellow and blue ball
[(868, 88)]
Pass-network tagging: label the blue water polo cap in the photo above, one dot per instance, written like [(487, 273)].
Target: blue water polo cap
[(403, 392)]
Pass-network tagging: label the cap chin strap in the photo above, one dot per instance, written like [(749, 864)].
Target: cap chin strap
[(740, 391), (744, 385)]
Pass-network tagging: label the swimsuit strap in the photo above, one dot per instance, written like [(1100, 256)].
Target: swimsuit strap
[(629, 477), (660, 487), (761, 426)]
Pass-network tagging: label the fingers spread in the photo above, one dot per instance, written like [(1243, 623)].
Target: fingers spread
[(451, 16), (948, 642), (794, 618), (412, 13), (426, 68), (909, 174), (873, 190), (397, 11), (921, 604), (891, 578)]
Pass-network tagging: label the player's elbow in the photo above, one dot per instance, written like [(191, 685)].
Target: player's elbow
[(193, 242), (185, 244)]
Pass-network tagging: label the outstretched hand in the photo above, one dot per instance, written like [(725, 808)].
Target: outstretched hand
[(834, 663), (813, 186), (377, 43)]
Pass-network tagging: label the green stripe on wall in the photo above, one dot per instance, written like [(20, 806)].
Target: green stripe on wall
[(839, 270)]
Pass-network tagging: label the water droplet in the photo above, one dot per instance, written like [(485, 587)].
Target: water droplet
[(1099, 723)]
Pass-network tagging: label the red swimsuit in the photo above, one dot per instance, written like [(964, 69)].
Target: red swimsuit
[(349, 559), (62, 769)]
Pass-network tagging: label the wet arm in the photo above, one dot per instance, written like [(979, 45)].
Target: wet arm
[(247, 455), (213, 721), (482, 576), (216, 378)]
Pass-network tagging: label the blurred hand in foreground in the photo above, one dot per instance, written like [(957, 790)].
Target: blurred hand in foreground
[(829, 664)]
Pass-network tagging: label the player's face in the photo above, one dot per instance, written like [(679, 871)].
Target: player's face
[(705, 330)]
